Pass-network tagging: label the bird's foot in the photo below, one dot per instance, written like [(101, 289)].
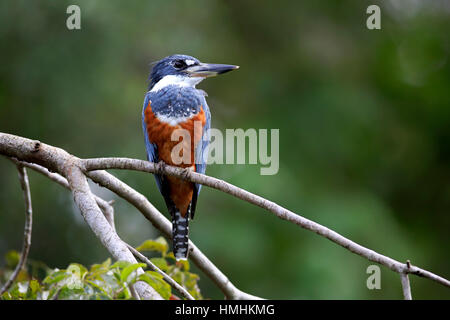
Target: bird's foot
[(186, 174), (160, 167)]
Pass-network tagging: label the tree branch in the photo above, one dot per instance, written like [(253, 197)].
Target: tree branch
[(229, 290), (58, 160), (55, 161), (25, 185), (405, 286), (108, 212), (160, 222), (279, 211), (105, 206), (75, 169), (101, 227)]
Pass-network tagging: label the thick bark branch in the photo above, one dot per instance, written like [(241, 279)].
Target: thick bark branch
[(58, 160), (101, 227)]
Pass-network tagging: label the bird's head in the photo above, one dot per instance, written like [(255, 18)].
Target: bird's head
[(183, 70)]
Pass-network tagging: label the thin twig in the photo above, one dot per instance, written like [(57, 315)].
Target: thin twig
[(134, 294), (405, 286), (25, 185), (166, 277), (105, 206)]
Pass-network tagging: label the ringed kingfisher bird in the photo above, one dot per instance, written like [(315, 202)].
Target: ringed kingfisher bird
[(173, 103)]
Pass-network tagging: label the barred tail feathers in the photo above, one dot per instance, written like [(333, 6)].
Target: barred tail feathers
[(180, 235)]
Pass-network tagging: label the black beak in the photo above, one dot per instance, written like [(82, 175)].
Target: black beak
[(209, 69)]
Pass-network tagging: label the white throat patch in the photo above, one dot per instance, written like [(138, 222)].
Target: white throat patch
[(173, 121), (177, 81)]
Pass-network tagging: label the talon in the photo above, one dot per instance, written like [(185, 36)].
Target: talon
[(185, 174), (160, 167)]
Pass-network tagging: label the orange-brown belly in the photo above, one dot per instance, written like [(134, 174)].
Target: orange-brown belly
[(160, 133)]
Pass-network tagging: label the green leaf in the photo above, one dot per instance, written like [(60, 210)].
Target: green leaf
[(120, 264), (77, 269), (117, 276), (52, 292), (191, 284), (171, 256), (100, 267), (99, 289), (102, 281), (56, 276), (129, 269), (176, 275), (160, 263), (159, 245), (6, 296), (66, 293), (12, 258), (124, 294), (97, 270), (106, 264), (183, 264), (14, 291), (33, 289), (155, 280), (22, 276), (154, 274)]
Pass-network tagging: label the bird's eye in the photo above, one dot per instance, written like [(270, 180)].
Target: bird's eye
[(179, 64)]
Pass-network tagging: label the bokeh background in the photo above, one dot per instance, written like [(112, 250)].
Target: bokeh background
[(364, 119)]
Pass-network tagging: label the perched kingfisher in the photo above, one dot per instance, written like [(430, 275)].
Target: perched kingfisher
[(172, 105)]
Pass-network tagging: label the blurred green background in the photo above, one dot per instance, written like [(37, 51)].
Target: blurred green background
[(364, 119)]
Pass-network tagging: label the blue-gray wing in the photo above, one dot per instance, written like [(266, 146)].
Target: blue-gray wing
[(201, 155), (201, 152), (151, 148)]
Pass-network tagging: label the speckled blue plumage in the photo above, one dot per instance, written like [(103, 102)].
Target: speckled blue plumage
[(176, 101)]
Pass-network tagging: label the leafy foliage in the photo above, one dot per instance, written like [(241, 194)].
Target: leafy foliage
[(104, 281)]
